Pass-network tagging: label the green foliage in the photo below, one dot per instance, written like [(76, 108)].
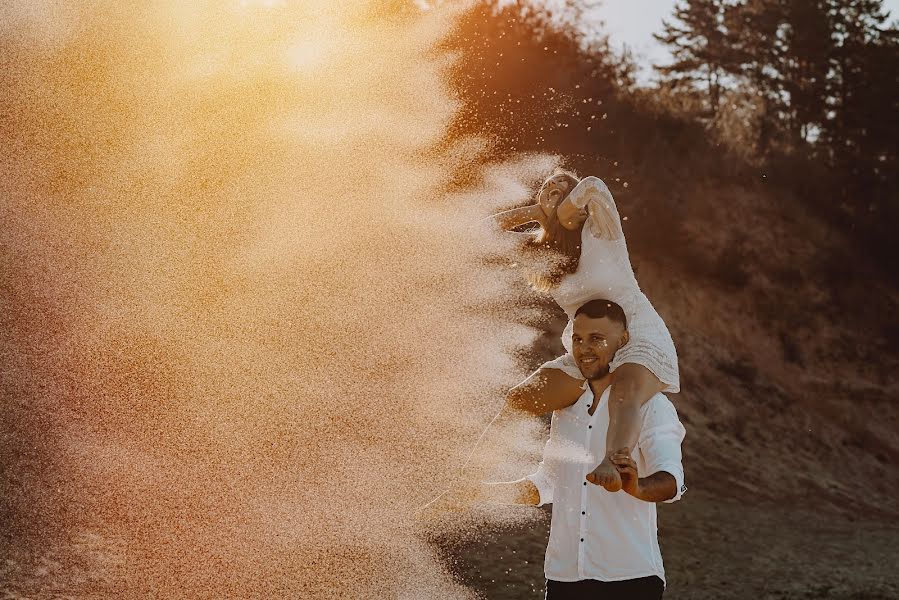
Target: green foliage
[(531, 80), (824, 69), (698, 43), (825, 78), (806, 95)]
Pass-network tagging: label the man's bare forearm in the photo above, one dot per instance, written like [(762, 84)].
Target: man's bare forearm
[(657, 487)]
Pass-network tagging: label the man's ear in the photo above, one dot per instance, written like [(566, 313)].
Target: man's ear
[(625, 338)]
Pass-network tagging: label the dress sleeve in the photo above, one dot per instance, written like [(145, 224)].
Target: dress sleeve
[(660, 441), (602, 215)]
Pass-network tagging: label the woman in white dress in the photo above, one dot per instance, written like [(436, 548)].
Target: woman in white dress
[(580, 226)]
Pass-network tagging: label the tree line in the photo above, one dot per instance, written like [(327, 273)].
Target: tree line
[(804, 92), (818, 77)]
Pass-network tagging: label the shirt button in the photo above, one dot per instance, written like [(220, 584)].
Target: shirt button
[(583, 512), (582, 539), (585, 483), (589, 426)]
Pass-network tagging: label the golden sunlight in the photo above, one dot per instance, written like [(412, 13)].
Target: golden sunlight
[(262, 328)]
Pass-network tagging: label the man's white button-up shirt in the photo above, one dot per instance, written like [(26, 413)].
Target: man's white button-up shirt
[(595, 534)]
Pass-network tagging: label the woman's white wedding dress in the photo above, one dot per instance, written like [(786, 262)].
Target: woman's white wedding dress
[(605, 272)]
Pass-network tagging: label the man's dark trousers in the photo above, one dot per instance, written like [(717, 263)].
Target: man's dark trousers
[(645, 588)]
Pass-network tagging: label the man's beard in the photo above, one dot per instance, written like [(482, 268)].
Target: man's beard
[(602, 372)]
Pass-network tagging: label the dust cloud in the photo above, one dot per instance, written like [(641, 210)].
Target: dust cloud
[(250, 318)]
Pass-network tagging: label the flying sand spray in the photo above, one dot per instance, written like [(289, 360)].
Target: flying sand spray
[(248, 328)]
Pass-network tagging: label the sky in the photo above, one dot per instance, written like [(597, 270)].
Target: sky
[(633, 22)]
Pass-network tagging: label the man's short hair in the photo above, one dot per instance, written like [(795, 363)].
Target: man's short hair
[(597, 309)]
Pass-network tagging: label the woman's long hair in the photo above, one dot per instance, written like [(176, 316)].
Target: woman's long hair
[(558, 248)]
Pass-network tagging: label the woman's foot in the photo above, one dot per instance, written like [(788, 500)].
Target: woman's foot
[(606, 475)]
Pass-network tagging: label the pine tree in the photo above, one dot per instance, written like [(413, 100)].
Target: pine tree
[(804, 67), (753, 27), (697, 40), (782, 49), (865, 83)]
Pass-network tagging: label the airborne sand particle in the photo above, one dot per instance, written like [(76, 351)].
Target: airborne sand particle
[(247, 331)]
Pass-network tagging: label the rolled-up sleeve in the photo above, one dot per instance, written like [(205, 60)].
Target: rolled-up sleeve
[(660, 442)]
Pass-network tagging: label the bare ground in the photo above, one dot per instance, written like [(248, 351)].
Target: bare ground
[(788, 352), (717, 548)]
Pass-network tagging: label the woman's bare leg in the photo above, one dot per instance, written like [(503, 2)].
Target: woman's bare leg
[(632, 386)]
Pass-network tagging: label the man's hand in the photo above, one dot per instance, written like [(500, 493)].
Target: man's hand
[(462, 495), (627, 469), (658, 487)]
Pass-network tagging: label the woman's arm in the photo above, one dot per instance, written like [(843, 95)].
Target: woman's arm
[(591, 199), (511, 219), (571, 216)]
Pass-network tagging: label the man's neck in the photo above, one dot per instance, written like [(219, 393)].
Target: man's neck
[(598, 386)]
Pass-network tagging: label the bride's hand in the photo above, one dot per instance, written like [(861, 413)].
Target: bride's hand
[(570, 216)]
